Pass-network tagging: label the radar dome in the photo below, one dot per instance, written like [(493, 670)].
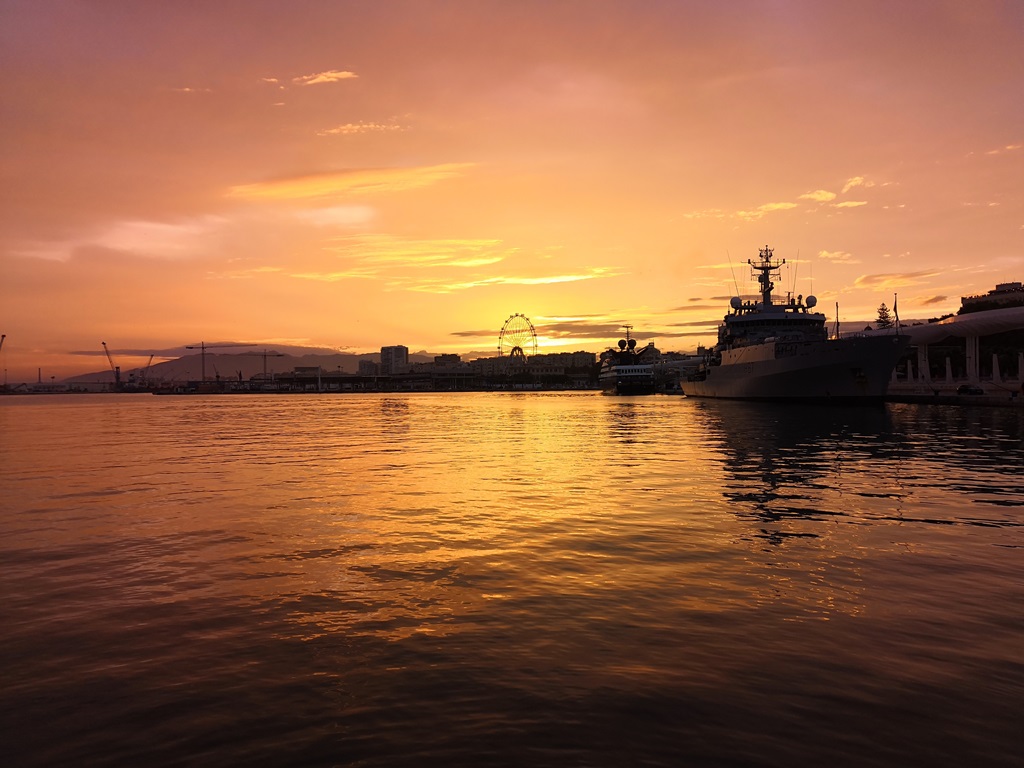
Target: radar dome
[(622, 343), (735, 302), (632, 343), (811, 301)]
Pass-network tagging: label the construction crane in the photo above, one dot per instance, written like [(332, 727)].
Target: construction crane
[(203, 346), (265, 355), (115, 368), (144, 376)]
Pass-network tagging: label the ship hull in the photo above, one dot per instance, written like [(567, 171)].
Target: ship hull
[(629, 388), (627, 384), (856, 369)]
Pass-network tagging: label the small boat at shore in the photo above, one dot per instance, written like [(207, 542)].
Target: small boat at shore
[(769, 350)]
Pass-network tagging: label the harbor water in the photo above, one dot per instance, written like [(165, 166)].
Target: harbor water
[(535, 579)]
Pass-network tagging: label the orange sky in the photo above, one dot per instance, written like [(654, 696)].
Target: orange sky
[(354, 174)]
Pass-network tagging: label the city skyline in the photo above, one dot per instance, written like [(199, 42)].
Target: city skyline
[(345, 176)]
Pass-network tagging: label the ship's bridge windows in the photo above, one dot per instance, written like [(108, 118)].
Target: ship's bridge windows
[(787, 322)]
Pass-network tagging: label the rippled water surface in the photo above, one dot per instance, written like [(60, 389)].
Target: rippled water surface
[(508, 579)]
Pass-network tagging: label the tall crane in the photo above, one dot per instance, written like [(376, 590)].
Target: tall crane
[(115, 368), (203, 346), (265, 355), (144, 376)]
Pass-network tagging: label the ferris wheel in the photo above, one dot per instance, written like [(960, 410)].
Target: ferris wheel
[(517, 339)]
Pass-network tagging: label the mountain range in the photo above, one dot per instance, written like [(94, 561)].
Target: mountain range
[(231, 365)]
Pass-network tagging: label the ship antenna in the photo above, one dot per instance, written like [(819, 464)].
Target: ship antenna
[(796, 268), (731, 272), (766, 267)]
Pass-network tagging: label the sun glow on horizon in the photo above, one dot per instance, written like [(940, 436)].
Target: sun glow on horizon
[(358, 180)]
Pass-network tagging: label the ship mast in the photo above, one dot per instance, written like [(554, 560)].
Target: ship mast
[(765, 266)]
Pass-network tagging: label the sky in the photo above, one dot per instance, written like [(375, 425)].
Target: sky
[(349, 175)]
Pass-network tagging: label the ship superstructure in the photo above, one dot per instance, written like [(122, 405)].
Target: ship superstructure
[(625, 371), (769, 350)]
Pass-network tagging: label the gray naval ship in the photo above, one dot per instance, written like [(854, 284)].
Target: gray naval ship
[(770, 350)]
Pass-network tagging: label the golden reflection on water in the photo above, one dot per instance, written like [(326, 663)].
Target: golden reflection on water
[(391, 516), (531, 499)]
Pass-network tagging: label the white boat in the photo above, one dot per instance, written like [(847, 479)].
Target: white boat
[(624, 371), (771, 350)]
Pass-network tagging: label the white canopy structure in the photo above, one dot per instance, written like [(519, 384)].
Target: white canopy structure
[(970, 327), (984, 323)]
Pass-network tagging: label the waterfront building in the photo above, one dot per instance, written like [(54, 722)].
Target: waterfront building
[(488, 366), (394, 360), (447, 361), (982, 346), (1003, 295)]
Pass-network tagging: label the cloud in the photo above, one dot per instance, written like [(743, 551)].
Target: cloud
[(723, 265), (349, 129), (585, 329), (1007, 148), (386, 251), (567, 328), (819, 196), (338, 216), (603, 328), (425, 266), (556, 331), (442, 287), (814, 196), (713, 322), (356, 181), (330, 76), (934, 300), (761, 210), (707, 213), (188, 89), (156, 239), (838, 257), (607, 328), (856, 181), (334, 277), (893, 279), (769, 207), (244, 274)]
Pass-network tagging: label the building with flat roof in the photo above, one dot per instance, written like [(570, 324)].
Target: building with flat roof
[(1003, 295), (394, 360)]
